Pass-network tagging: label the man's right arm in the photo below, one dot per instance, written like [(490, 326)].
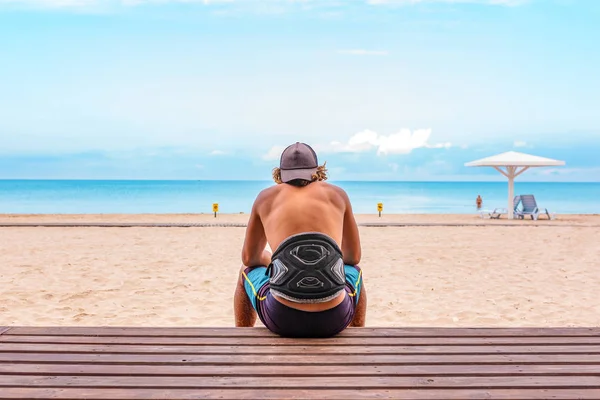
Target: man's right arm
[(350, 237), (255, 241)]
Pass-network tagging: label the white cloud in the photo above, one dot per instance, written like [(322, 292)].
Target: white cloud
[(362, 52), (402, 142), (519, 143), (274, 153), (361, 141), (217, 153)]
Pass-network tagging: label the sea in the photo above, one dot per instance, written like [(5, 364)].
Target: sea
[(163, 196)]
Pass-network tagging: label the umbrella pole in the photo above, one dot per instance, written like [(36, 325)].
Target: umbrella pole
[(510, 173)]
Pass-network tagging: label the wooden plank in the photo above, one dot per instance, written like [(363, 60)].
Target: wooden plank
[(297, 394), (313, 382), (293, 370), (298, 359), (3, 329), (338, 341), (140, 331), (316, 350), (263, 332)]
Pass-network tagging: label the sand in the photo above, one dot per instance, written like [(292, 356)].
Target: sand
[(480, 274)]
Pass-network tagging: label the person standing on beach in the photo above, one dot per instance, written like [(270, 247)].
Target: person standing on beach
[(311, 285), (479, 201)]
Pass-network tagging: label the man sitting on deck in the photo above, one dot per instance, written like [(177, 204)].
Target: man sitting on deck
[(311, 286)]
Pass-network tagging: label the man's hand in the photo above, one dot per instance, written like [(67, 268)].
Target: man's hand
[(266, 257)]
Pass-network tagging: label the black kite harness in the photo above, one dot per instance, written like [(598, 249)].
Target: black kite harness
[(307, 268)]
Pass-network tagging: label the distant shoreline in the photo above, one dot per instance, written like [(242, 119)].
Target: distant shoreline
[(241, 219)]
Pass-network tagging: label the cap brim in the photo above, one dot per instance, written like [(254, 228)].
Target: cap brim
[(291, 174)]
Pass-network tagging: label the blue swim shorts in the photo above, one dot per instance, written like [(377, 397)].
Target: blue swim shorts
[(290, 322)]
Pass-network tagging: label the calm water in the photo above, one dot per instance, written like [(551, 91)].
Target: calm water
[(94, 196)]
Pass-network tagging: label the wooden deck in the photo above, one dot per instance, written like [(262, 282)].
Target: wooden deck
[(229, 363)]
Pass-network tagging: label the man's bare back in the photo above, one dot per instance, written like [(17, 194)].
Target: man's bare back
[(284, 210)]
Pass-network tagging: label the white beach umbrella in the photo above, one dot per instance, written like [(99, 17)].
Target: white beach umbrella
[(514, 164)]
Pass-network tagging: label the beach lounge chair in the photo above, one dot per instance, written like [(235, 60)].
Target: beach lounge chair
[(498, 212), (531, 208)]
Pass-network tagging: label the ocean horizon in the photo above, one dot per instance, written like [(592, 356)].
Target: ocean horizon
[(34, 196)]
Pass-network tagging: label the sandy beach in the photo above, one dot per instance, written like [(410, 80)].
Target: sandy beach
[(437, 270)]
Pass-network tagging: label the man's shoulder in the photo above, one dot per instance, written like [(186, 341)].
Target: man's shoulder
[(332, 191), (333, 187), (322, 185), (264, 198), (267, 192)]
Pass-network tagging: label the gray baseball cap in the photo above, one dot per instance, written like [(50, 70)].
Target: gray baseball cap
[(298, 161)]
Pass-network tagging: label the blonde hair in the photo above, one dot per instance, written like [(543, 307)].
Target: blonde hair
[(319, 175)]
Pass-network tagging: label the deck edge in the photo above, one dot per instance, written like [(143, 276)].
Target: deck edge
[(261, 332)]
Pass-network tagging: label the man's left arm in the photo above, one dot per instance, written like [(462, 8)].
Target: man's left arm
[(253, 251)]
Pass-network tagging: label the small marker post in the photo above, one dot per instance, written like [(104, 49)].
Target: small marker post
[(215, 208), (380, 208)]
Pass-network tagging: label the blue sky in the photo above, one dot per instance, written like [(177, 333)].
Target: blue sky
[(393, 90)]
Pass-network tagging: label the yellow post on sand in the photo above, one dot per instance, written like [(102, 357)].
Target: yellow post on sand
[(380, 208), (215, 208)]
